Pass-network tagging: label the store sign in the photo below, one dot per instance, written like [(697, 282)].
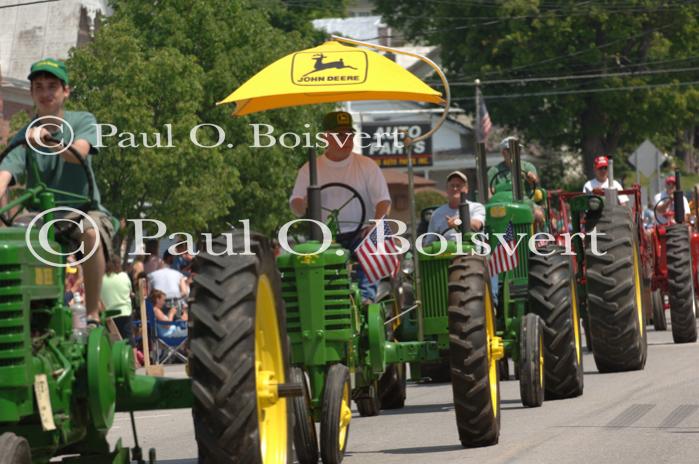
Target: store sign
[(383, 143)]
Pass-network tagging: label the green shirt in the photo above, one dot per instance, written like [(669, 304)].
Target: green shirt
[(506, 175), (116, 293), (53, 169)]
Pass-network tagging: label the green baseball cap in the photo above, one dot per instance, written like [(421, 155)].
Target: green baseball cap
[(51, 66), (338, 120)]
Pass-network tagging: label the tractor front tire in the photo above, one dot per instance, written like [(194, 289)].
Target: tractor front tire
[(531, 361), (392, 387), (238, 348), (335, 415), (474, 369), (659, 321), (681, 291), (369, 405), (614, 290), (14, 449), (305, 438), (553, 296)]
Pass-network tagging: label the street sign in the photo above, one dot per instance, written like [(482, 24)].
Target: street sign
[(385, 143), (647, 158)]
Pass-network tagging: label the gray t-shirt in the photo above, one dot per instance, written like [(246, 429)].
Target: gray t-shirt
[(439, 225), (167, 280)]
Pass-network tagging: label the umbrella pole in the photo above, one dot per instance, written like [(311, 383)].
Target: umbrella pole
[(413, 239)]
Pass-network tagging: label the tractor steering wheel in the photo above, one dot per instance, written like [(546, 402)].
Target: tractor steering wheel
[(530, 190), (336, 211), (81, 202), (669, 213)]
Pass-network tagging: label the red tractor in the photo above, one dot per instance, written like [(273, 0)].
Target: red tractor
[(674, 267)]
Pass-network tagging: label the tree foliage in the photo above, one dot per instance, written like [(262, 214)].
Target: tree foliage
[(169, 62), (520, 39)]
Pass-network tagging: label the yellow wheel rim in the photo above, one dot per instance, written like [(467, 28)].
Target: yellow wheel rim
[(345, 417), (576, 321), (495, 347), (541, 361), (269, 372), (637, 289)]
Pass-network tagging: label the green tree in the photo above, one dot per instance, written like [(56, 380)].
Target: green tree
[(520, 39), (169, 62)]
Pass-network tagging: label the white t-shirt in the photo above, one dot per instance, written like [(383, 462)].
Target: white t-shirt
[(592, 184), (662, 195), (167, 280), (357, 171), (439, 225)]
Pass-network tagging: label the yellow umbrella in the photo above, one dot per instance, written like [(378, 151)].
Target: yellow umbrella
[(330, 72)]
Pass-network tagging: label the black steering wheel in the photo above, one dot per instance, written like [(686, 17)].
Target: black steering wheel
[(666, 214), (530, 189), (354, 195), (82, 203)]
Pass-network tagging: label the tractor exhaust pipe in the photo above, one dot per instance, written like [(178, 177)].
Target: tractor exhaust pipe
[(678, 198), (464, 214), (313, 196), (516, 171), (482, 173)]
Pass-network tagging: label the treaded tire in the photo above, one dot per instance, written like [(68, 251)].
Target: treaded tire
[(659, 321), (331, 450), (392, 387), (305, 438), (531, 378), (14, 449), (222, 356), (617, 318), (681, 291), (551, 296), (477, 415)]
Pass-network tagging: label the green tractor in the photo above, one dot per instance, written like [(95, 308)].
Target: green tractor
[(343, 350), (60, 390), (537, 312)]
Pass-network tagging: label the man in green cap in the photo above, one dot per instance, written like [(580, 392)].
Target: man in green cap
[(339, 164), (59, 169)]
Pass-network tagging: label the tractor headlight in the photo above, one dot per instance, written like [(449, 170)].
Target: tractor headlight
[(407, 266), (594, 203)]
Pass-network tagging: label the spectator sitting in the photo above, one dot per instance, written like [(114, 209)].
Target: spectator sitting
[(116, 296), (159, 310), (171, 282)]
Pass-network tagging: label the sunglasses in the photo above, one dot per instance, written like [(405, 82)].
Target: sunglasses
[(603, 168)]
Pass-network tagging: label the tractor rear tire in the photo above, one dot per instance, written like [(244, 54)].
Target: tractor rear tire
[(305, 438), (474, 372), (659, 321), (392, 387), (553, 296), (14, 449), (238, 323), (531, 361), (614, 290), (681, 291), (335, 415)]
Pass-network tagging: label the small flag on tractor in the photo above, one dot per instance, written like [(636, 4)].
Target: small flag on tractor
[(375, 262), (485, 125), (500, 260)]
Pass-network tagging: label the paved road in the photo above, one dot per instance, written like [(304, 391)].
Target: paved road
[(651, 416)]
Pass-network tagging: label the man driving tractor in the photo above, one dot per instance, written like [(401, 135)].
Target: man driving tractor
[(60, 170), (339, 164), (601, 180), (668, 206), (445, 219)]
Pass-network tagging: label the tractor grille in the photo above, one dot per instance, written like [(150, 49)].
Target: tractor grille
[(335, 294), (522, 269), (13, 336), (434, 275)]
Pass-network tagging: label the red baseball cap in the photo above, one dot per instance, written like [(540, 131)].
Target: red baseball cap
[(670, 180), (601, 161)]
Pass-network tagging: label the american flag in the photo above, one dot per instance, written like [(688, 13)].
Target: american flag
[(500, 261), (377, 263), (485, 124)]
